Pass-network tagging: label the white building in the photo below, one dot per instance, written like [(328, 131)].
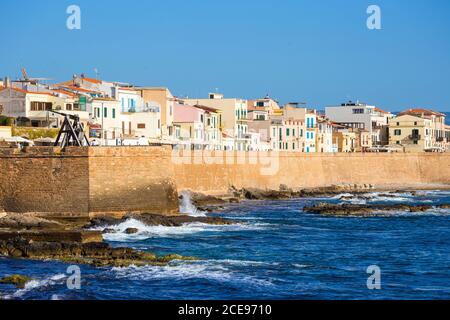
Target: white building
[(362, 116)]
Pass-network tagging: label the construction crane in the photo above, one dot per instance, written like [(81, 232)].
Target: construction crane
[(27, 79), (71, 132)]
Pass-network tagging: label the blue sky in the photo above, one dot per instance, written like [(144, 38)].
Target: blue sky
[(315, 51)]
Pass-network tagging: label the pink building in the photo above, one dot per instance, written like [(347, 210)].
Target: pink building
[(189, 126)]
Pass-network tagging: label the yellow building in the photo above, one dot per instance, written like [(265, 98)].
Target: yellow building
[(437, 126), (234, 117), (162, 98), (287, 134), (267, 104), (414, 134), (344, 138)]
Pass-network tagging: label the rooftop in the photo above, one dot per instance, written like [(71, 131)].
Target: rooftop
[(421, 111), (205, 108)]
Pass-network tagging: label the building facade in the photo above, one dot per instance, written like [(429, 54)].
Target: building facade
[(414, 134)]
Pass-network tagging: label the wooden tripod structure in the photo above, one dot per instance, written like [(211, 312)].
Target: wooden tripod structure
[(71, 132)]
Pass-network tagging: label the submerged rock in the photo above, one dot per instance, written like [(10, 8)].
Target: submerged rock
[(108, 230), (362, 209), (131, 230), (16, 279)]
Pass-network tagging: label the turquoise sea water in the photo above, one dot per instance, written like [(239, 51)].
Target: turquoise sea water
[(275, 252)]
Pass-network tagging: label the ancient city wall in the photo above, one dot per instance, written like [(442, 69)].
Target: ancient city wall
[(131, 179), (87, 181), (44, 180), (312, 170), (116, 180)]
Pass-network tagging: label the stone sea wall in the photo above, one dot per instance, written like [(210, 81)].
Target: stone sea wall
[(299, 170), (87, 181), (117, 180)]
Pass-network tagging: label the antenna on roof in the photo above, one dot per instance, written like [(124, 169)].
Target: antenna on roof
[(96, 73)]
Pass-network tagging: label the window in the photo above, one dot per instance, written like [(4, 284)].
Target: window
[(260, 104), (159, 124), (293, 132), (358, 111), (274, 132), (397, 132), (287, 132), (281, 133), (76, 106), (415, 123), (114, 113), (69, 106), (141, 125), (40, 106), (105, 113)]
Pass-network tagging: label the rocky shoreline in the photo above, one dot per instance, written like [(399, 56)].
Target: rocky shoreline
[(29, 236), (208, 203), (99, 254)]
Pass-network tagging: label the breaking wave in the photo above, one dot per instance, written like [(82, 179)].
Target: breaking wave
[(147, 232), (364, 198), (211, 270), (187, 207), (36, 284)]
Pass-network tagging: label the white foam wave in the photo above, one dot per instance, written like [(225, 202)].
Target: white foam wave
[(212, 270), (146, 231), (302, 266), (431, 212), (433, 193), (35, 284), (363, 198), (187, 207)]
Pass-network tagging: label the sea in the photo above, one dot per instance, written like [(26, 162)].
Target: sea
[(274, 251)]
